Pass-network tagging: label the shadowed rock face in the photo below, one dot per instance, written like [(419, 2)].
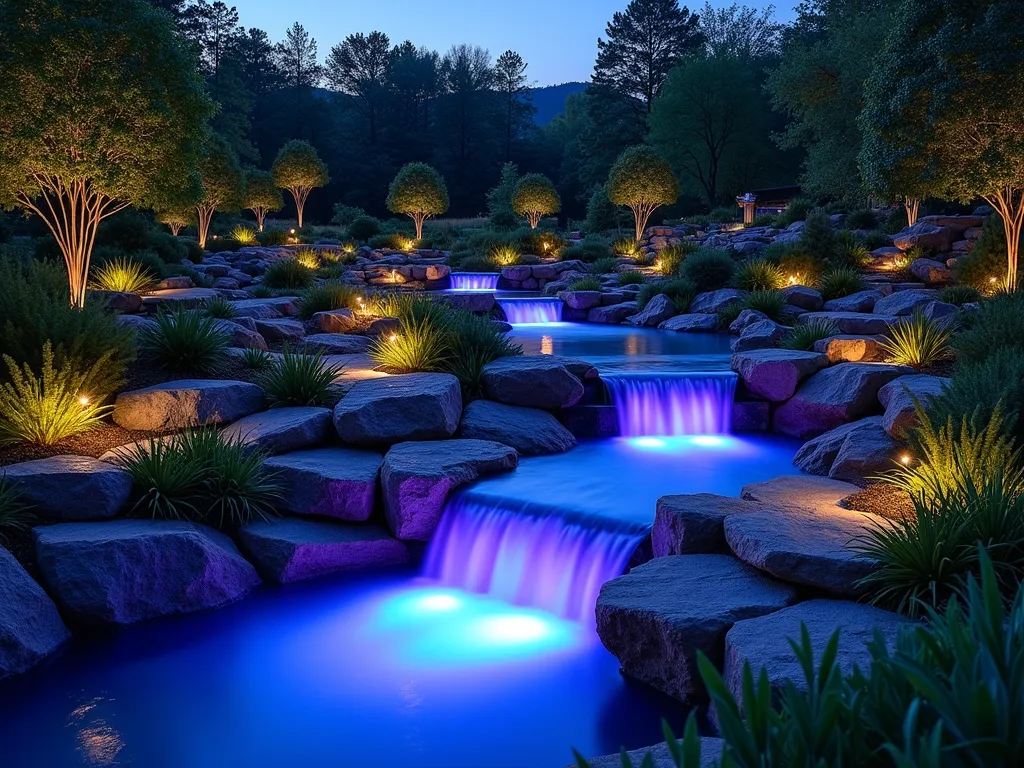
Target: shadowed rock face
[(775, 374), (66, 488), (125, 571), (333, 482), (531, 431), (532, 381), (282, 429), (855, 450), (691, 524), (898, 396), (418, 406), (30, 627), (187, 403)]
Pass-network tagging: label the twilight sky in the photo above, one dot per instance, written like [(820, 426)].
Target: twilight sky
[(558, 38)]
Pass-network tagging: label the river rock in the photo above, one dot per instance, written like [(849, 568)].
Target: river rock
[(745, 318), (902, 303), (659, 615), (67, 488), (416, 406), (691, 323), (854, 451), (834, 396), (290, 550), (612, 314), (335, 320), (713, 302), (125, 571), (333, 482), (187, 403), (532, 381), (898, 396), (861, 301), (30, 627), (531, 431), (774, 374), (416, 479), (656, 311), (282, 429), (581, 299), (691, 524)]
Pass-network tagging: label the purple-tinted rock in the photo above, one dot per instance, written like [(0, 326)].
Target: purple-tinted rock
[(774, 374), (612, 314), (861, 301), (926, 234), (282, 429), (531, 431), (691, 323), (762, 334), (333, 482), (691, 524), (714, 302), (581, 299), (750, 416), (532, 381), (854, 451), (30, 627), (417, 406), (656, 311)]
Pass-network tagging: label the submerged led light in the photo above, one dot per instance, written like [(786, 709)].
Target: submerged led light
[(708, 441), (648, 442)]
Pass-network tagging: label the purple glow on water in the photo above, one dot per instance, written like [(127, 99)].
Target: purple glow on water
[(474, 281), (672, 403), (532, 310), (528, 555)]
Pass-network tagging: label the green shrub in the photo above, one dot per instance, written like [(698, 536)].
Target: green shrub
[(505, 255), (976, 391), (184, 340), (771, 303), (986, 260), (585, 284), (679, 291), (895, 221), (218, 244), (363, 228), (818, 238), (759, 275), (473, 342), (959, 295), (632, 277), (797, 210), (875, 239), (478, 264), (256, 359), (220, 308), (625, 246), (344, 215), (327, 296), (199, 476), (417, 345), (839, 282), (999, 324), (862, 218), (394, 242), (729, 313), (670, 259), (590, 249), (764, 220), (272, 237), (801, 268), (918, 342), (724, 214), (604, 266), (288, 274), (124, 275), (14, 510), (804, 335), (708, 269), (47, 408), (300, 380), (852, 252)]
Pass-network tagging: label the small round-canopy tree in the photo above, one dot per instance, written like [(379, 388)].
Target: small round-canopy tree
[(642, 181), (300, 170), (952, 72), (261, 194), (535, 196), (418, 191), (223, 184), (176, 219), (101, 107)]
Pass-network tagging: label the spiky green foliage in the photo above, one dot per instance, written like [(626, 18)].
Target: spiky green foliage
[(474, 342), (604, 266), (418, 191), (220, 308), (122, 274), (771, 302), (625, 246), (256, 359), (642, 180), (728, 313), (840, 281), (670, 259), (47, 408), (918, 342), (959, 295), (243, 235), (415, 346), (198, 475), (184, 340), (327, 296), (535, 197), (804, 335), (759, 275), (708, 269), (262, 292), (585, 284), (852, 252), (299, 379), (505, 255), (288, 274), (15, 512), (998, 325), (632, 277), (681, 292)]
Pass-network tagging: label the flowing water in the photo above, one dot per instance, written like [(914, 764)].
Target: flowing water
[(654, 404), (474, 281), (532, 311)]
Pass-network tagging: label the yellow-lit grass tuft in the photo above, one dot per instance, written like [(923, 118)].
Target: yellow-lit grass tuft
[(123, 275), (414, 346), (918, 342), (244, 235), (505, 255), (308, 258)]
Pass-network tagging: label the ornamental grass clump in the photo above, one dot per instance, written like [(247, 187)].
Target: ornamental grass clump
[(708, 269), (679, 292), (759, 275), (200, 476), (839, 282), (918, 342), (256, 359), (122, 275), (46, 408), (625, 246), (288, 274), (505, 255), (585, 284), (670, 259), (416, 345), (15, 512), (220, 308), (771, 302), (244, 235), (308, 258), (326, 297), (603, 266), (632, 277), (959, 295), (804, 336), (299, 380), (474, 341), (184, 340)]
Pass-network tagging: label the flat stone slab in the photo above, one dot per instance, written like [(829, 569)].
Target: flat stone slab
[(834, 396), (713, 302), (416, 479), (853, 323), (808, 548), (853, 451), (898, 396), (861, 301), (531, 431), (267, 309), (281, 329), (30, 627), (336, 343), (903, 303), (763, 642), (658, 616), (281, 430), (695, 322), (333, 482), (290, 550), (532, 381), (66, 488), (799, 493), (775, 374), (417, 406), (710, 755), (190, 297), (691, 524), (187, 403), (124, 571)]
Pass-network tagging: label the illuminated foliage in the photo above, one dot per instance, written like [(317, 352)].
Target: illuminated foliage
[(418, 191), (261, 195), (223, 184), (300, 170), (642, 181), (122, 274), (535, 197), (505, 255), (918, 342)]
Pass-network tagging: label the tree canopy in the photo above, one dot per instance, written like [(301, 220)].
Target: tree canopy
[(95, 116), (261, 194), (223, 183), (642, 180), (418, 191), (299, 169), (535, 197)]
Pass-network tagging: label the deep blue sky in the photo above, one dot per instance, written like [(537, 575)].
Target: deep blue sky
[(558, 38)]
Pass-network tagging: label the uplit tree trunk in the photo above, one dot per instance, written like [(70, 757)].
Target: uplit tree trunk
[(418, 219), (72, 212), (176, 227), (534, 218), (912, 204), (641, 213), (301, 194), (1009, 204), (204, 215), (261, 214)]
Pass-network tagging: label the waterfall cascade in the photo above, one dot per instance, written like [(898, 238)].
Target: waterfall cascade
[(672, 403), (474, 281), (539, 310)]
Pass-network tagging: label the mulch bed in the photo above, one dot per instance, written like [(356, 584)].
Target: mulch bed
[(881, 499), (93, 443)]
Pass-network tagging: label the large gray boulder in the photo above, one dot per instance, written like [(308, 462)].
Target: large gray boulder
[(713, 302), (853, 323), (762, 334), (861, 301), (290, 550), (417, 406), (656, 311), (416, 479), (659, 615), (898, 398), (902, 303), (691, 524), (282, 429), (531, 431), (533, 381), (926, 234), (834, 396), (240, 336), (612, 314), (335, 321), (30, 627), (125, 571), (691, 323), (930, 271), (812, 548), (333, 482), (66, 488), (710, 755), (764, 642), (336, 343), (852, 451), (774, 374), (280, 330), (803, 297), (187, 403)]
